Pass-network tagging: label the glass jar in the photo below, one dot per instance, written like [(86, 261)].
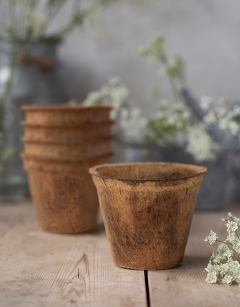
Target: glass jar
[(30, 85)]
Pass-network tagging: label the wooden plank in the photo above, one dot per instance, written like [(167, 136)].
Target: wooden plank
[(44, 269), (185, 285), (11, 213)]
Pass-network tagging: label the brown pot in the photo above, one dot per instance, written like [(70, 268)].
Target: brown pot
[(61, 133), (66, 115), (147, 210), (64, 149), (55, 162), (63, 194)]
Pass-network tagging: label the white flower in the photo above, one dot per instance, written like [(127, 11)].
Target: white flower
[(233, 127), (36, 21), (227, 279), (217, 258), (211, 238), (200, 144), (206, 103), (223, 123), (236, 247), (224, 265), (179, 107), (114, 93), (234, 268), (224, 251), (223, 269), (93, 98), (232, 238), (132, 123), (210, 118), (231, 226), (233, 218), (224, 101), (164, 104), (211, 277), (220, 111), (225, 118), (92, 17), (236, 110)]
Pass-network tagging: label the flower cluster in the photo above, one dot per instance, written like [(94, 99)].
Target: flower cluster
[(26, 21), (173, 69), (169, 123), (114, 93), (30, 20), (130, 120), (224, 266), (185, 128), (176, 123), (23, 22), (221, 114), (200, 144)]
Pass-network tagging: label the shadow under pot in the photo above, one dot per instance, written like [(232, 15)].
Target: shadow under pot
[(147, 210)]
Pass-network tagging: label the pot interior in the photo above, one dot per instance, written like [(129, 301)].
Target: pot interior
[(156, 171)]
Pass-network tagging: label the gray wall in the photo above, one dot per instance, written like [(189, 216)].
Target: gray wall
[(206, 33)]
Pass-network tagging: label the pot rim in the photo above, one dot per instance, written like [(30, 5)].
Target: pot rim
[(94, 171), (40, 158), (81, 125), (59, 142), (64, 107)]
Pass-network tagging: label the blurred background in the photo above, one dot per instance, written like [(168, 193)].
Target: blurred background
[(59, 51), (204, 33)]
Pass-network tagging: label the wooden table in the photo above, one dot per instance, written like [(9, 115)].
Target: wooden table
[(44, 269)]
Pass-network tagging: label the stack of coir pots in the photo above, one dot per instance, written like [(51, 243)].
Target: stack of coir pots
[(61, 144)]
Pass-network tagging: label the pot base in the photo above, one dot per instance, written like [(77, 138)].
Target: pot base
[(148, 268)]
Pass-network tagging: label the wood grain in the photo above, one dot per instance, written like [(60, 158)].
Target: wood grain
[(185, 285), (43, 269)]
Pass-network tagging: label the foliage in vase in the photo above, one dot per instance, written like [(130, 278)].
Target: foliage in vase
[(175, 123), (24, 22)]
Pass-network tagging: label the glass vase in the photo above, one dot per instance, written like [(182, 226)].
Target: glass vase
[(31, 84)]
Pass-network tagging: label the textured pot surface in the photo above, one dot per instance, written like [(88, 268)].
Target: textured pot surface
[(80, 149), (66, 114), (64, 195), (147, 210), (62, 133), (53, 163)]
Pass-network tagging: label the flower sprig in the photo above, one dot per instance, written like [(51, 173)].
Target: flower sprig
[(223, 115), (131, 122), (176, 123), (173, 69), (224, 266)]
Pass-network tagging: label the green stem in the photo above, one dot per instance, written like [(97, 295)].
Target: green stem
[(172, 83), (52, 13), (174, 89), (75, 20)]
